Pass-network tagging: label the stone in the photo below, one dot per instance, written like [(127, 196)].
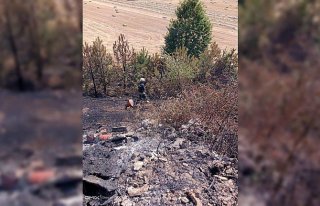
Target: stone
[(196, 201), (71, 201), (177, 143), (133, 192), (184, 200), (137, 165), (163, 159), (134, 155), (145, 123), (118, 138), (94, 186), (221, 178), (127, 202), (119, 129), (184, 126), (129, 134), (120, 148)]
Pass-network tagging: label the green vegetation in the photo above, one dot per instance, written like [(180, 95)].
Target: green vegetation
[(167, 75), (191, 29)]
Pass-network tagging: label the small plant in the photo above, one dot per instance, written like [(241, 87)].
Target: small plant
[(181, 70)]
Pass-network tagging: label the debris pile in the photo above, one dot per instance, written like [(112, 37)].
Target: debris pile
[(155, 165), (41, 184)]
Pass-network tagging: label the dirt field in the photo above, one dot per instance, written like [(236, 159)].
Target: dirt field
[(144, 22)]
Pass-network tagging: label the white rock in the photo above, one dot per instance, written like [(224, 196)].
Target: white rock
[(137, 165), (137, 191)]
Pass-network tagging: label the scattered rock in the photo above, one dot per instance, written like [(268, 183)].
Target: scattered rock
[(118, 138), (72, 201), (120, 148), (129, 134), (194, 199), (137, 191), (137, 165), (178, 143), (146, 123), (119, 129), (163, 159), (95, 186), (127, 202), (221, 178), (184, 200)]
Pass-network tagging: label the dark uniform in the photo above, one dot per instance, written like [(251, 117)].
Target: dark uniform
[(142, 90)]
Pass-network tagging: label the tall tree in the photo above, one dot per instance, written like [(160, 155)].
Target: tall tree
[(89, 67), (7, 19), (123, 55), (101, 62), (192, 29)]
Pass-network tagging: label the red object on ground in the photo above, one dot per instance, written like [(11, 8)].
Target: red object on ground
[(129, 103), (41, 176), (105, 136)]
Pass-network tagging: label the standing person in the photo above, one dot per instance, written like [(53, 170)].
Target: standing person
[(142, 89)]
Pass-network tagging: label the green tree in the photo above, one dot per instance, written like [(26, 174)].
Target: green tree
[(192, 29)]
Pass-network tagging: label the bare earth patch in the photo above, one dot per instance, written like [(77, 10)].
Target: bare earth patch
[(145, 22)]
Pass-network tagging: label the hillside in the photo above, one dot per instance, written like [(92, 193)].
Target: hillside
[(144, 22)]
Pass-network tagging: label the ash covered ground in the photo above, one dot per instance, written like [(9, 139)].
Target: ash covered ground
[(40, 148), (148, 163)]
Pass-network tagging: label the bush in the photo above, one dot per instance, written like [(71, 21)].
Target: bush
[(181, 70), (215, 110), (207, 61), (225, 70)]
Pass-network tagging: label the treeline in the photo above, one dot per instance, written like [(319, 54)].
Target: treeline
[(40, 39), (118, 73)]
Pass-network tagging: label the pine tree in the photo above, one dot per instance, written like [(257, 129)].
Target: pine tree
[(192, 29)]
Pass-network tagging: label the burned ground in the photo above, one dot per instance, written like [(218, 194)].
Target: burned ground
[(150, 164), (40, 155)]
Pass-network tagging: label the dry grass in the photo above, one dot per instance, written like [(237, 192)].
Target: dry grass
[(214, 110)]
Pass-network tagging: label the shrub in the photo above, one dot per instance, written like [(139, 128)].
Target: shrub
[(215, 109), (181, 70), (207, 61), (225, 69)]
